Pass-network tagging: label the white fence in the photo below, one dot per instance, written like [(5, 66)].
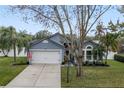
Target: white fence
[(11, 53)]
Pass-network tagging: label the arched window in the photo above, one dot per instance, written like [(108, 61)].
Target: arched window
[(89, 52), (89, 47)]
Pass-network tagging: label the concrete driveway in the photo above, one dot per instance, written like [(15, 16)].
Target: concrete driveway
[(40, 75)]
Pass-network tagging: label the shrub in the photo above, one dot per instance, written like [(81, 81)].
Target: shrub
[(21, 61), (119, 57)]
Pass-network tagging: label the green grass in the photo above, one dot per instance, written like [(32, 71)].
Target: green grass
[(9, 71), (93, 77)]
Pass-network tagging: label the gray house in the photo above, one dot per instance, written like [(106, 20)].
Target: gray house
[(51, 50)]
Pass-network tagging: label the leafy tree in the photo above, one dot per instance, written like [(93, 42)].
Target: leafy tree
[(118, 28), (110, 42), (23, 40), (4, 44), (19, 40), (10, 39), (108, 37), (99, 33), (42, 34)]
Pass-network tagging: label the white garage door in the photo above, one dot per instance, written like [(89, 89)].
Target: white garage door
[(48, 57)]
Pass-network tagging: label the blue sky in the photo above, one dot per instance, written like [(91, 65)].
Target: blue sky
[(16, 20)]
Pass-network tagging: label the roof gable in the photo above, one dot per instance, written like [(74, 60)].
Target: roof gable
[(55, 37), (46, 45)]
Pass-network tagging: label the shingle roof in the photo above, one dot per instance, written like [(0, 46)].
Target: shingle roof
[(51, 42), (92, 41), (50, 45), (37, 41)]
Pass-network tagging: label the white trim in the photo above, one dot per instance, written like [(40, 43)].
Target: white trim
[(89, 46), (44, 50), (85, 52)]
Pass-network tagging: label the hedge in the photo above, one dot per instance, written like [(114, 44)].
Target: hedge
[(119, 57)]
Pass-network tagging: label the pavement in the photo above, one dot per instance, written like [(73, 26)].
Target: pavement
[(38, 76)]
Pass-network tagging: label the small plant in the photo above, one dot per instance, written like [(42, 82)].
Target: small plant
[(119, 57)]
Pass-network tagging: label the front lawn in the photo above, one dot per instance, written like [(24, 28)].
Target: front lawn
[(112, 76), (9, 71)]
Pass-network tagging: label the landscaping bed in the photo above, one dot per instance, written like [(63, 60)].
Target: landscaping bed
[(9, 71), (105, 65), (96, 76)]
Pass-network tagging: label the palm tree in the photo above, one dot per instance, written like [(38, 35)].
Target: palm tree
[(110, 42), (108, 37), (23, 40), (13, 39), (4, 44), (10, 39), (19, 40)]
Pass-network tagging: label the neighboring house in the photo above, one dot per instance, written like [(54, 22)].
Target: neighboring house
[(51, 50), (11, 53)]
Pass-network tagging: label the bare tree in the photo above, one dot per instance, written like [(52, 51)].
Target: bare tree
[(77, 20)]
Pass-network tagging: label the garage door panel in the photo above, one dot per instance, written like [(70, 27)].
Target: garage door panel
[(46, 57)]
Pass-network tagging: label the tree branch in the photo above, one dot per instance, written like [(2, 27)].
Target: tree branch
[(42, 14), (97, 19), (89, 17)]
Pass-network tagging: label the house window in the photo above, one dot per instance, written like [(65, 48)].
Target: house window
[(89, 47), (89, 55)]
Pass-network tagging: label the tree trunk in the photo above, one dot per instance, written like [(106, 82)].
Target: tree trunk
[(106, 57), (80, 59), (68, 71), (14, 48), (79, 67), (5, 54), (79, 64)]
